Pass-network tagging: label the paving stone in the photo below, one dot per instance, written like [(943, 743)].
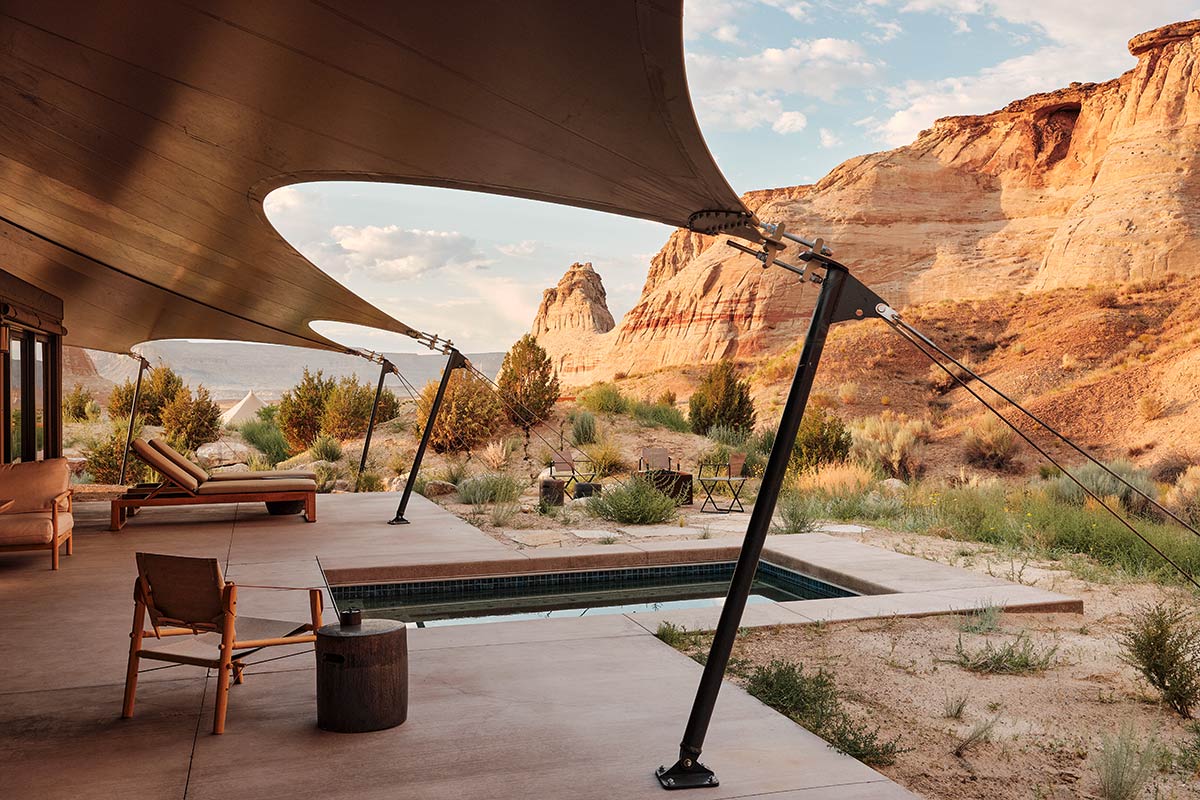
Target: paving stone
[(589, 534), (646, 531), (537, 538), (841, 528)]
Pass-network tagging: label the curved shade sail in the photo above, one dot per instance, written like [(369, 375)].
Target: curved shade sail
[(138, 140)]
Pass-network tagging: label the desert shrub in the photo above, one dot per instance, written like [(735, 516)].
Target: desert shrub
[(103, 455), (836, 480), (763, 441), (1187, 752), (400, 461), (1170, 467), (266, 437), (583, 428), (721, 399), (347, 409), (636, 502), (1069, 362), (159, 387), (259, 463), (455, 471), (822, 400), (606, 458), (1102, 484), (726, 435), (982, 620), (822, 439), (501, 515), (1184, 497), (191, 420), (659, 416), (812, 700), (1020, 656), (797, 514), (268, 413), (368, 481), (678, 636), (496, 454), (1122, 766), (471, 413), (75, 403), (890, 443), (527, 384), (1162, 642), (326, 448), (1105, 298), (327, 476), (301, 409), (603, 397), (1151, 407), (941, 382), (389, 407), (980, 732), (666, 398), (990, 444), (490, 488), (954, 705), (848, 393)]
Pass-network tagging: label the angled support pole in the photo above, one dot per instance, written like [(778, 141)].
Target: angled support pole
[(384, 368), (842, 297), (143, 365), (455, 361)]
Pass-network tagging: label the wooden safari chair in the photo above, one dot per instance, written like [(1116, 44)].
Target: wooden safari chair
[(656, 458), (728, 475), (186, 596), (182, 486), (572, 471)]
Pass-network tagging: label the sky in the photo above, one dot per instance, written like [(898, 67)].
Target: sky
[(784, 91)]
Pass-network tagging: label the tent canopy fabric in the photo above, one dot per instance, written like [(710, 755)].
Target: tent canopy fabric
[(244, 410), (139, 140)]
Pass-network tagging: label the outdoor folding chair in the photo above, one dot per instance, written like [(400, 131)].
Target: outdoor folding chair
[(656, 458), (572, 471), (728, 475), (185, 595)]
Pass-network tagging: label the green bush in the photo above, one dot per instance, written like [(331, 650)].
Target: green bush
[(583, 428), (301, 409), (1123, 767), (103, 456), (658, 415), (726, 435), (990, 444), (471, 413), (76, 403), (1162, 642), (890, 443), (369, 481), (606, 458), (797, 514), (637, 502), (191, 420), (1018, 657), (268, 413), (813, 700), (347, 409), (527, 384), (326, 448), (1104, 485), (822, 439), (266, 437), (763, 441), (159, 387), (603, 397), (327, 476), (666, 398), (721, 399), (490, 488)]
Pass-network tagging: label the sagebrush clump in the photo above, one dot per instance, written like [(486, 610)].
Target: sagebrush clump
[(890, 443), (603, 397), (583, 428), (636, 502), (1162, 642), (1102, 484), (990, 443), (1184, 497), (490, 488)]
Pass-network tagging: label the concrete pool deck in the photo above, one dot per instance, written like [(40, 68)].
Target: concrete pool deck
[(559, 708)]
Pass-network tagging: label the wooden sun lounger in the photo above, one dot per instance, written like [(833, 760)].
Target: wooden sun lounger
[(180, 487)]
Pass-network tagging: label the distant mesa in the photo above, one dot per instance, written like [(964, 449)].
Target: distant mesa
[(1094, 183)]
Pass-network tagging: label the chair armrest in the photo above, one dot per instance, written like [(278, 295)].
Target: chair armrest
[(5, 505), (57, 502), (316, 599)]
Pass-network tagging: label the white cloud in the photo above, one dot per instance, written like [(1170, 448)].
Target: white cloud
[(829, 138), (526, 247), (793, 8), (392, 253), (887, 31), (789, 122), (285, 199), (727, 34)]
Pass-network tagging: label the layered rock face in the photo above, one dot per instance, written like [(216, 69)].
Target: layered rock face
[(1095, 183), (571, 319)]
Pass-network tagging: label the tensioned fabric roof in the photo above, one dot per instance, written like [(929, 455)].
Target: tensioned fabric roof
[(138, 140)]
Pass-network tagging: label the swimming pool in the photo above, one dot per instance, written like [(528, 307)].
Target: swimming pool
[(574, 594)]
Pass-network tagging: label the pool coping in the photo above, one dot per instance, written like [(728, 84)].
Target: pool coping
[(889, 584)]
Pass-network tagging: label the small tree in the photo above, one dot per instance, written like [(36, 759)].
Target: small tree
[(301, 409), (104, 453), (347, 409), (76, 402), (159, 387), (470, 415), (721, 399), (528, 383), (822, 439), (189, 421)]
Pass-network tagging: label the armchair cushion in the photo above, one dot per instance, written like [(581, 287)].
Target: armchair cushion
[(32, 527), (34, 484)]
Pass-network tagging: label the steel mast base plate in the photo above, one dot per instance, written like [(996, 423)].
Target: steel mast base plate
[(686, 774)]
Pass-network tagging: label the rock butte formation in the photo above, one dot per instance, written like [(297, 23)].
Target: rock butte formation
[(1095, 183)]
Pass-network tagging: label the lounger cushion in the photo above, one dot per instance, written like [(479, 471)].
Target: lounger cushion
[(32, 527), (164, 465), (251, 486), (262, 474), (180, 459), (33, 484)]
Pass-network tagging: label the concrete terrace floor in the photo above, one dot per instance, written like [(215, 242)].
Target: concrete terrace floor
[(558, 708)]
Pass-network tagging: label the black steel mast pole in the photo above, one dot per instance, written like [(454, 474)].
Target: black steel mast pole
[(688, 772), (137, 393), (455, 361), (385, 365)]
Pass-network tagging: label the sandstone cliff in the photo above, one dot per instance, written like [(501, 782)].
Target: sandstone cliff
[(1094, 183), (570, 321)]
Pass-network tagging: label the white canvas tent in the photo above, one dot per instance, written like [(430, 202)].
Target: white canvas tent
[(245, 410)]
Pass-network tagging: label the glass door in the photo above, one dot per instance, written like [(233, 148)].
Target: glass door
[(15, 395)]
